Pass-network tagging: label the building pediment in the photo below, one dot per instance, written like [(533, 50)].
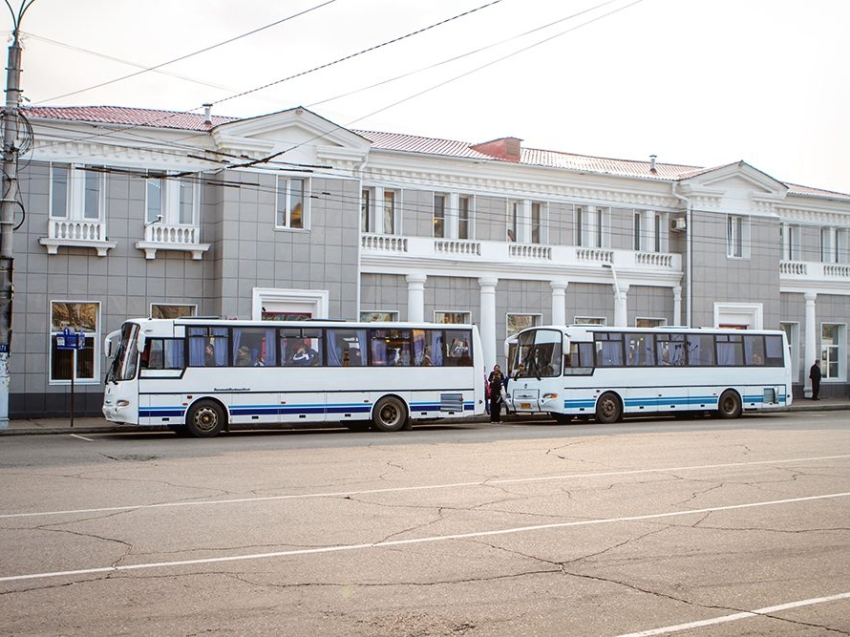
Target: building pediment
[(294, 136), (736, 187)]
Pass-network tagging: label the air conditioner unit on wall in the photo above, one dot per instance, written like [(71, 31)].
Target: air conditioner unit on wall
[(678, 224)]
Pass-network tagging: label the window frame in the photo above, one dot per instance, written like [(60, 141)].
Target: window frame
[(737, 236), (76, 188), (92, 347), (284, 207)]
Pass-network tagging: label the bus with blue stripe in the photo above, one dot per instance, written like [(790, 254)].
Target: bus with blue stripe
[(605, 373), (201, 376)]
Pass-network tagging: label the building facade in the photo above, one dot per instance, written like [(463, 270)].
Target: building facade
[(131, 212)]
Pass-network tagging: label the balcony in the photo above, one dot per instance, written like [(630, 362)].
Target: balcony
[(76, 234), (159, 236), (813, 272), (512, 256)]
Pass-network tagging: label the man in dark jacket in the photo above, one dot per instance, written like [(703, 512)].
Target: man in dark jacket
[(814, 374)]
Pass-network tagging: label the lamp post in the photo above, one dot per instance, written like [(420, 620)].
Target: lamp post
[(9, 202)]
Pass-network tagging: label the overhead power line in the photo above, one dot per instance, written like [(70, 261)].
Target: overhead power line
[(190, 55)]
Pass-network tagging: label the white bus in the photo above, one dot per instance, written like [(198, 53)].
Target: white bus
[(607, 373), (198, 376)]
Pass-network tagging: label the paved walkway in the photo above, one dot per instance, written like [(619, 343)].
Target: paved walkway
[(101, 425)]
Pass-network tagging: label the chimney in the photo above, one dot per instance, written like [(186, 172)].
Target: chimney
[(507, 148), (652, 168), (207, 113)]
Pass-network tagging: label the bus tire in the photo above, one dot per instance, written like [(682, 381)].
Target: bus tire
[(729, 405), (205, 419), (389, 414), (561, 419), (608, 408)]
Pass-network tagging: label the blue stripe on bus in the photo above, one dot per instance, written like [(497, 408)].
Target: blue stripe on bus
[(290, 410), (590, 403)]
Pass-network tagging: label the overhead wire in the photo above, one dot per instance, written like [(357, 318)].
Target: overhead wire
[(194, 53)]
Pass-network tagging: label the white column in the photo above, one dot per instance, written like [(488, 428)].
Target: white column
[(677, 305), (452, 214), (621, 314), (416, 297), (811, 348), (559, 302), (487, 328)]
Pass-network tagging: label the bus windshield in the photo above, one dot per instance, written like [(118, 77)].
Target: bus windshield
[(123, 366), (538, 354)]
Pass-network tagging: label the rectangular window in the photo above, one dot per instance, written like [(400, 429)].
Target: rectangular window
[(637, 232), (670, 349), (77, 193), (186, 215), (59, 178), (452, 317), (464, 219), (209, 346), (590, 226), (650, 322), (291, 206), (513, 220), (640, 350), (609, 349), (172, 311), (518, 322), (790, 238), (439, 216), (391, 348), (378, 317), (79, 317), (163, 354), (589, 320), (389, 212), (730, 350), (737, 239), (303, 347), (536, 222), (365, 210), (700, 350), (254, 346), (831, 348), (347, 348), (155, 200)]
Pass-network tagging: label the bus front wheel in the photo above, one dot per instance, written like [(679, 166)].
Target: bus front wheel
[(205, 419), (608, 408), (389, 414), (729, 405)]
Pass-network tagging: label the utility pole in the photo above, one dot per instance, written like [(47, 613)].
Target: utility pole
[(9, 203)]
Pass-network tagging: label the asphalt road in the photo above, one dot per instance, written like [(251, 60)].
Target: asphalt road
[(695, 528)]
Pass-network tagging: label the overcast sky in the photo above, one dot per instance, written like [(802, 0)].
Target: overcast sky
[(702, 82)]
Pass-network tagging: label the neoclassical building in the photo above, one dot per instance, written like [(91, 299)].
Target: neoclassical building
[(131, 212)]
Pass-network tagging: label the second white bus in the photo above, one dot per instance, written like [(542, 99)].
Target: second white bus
[(607, 373), (200, 376)]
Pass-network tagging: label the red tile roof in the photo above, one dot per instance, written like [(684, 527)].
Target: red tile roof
[(396, 142)]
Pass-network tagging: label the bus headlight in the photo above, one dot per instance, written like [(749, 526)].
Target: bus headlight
[(550, 396), (122, 403)]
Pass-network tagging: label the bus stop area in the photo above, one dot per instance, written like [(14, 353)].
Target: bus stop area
[(85, 425)]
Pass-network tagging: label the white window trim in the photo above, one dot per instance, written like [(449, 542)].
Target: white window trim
[(749, 314), (662, 322), (595, 226), (193, 306), (393, 316), (743, 239), (305, 204), (316, 302), (536, 316), (590, 320), (466, 313), (840, 346), (96, 347)]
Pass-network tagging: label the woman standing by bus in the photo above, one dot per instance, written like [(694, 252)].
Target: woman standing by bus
[(496, 382)]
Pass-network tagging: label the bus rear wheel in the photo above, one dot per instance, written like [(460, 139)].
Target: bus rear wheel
[(608, 409), (729, 405), (205, 419), (389, 414)]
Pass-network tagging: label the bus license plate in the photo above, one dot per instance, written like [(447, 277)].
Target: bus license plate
[(525, 405)]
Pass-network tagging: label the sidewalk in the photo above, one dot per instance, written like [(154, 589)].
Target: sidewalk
[(101, 425)]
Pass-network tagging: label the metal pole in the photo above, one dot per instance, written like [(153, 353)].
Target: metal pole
[(7, 218)]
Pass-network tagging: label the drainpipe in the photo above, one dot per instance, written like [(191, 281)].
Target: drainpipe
[(688, 255)]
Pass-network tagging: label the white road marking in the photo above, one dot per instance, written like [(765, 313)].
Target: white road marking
[(759, 612), (455, 485), (82, 437), (423, 540)]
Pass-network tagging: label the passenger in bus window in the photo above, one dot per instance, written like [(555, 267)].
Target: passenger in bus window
[(243, 357), (209, 355), (304, 356)]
